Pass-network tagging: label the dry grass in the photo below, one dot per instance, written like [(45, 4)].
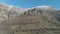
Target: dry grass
[(33, 25)]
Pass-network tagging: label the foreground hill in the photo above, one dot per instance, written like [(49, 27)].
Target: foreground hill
[(37, 20), (31, 25)]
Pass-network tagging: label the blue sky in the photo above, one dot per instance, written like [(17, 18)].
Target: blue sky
[(32, 3)]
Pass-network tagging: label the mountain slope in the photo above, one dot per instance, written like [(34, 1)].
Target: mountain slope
[(8, 12), (37, 20), (32, 25)]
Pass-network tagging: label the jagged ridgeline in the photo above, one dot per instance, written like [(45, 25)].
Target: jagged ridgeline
[(37, 20)]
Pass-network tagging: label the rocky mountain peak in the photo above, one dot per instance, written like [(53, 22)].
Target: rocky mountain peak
[(43, 8)]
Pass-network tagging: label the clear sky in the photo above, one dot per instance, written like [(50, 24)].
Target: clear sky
[(32, 3)]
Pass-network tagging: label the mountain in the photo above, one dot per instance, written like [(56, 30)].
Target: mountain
[(8, 12), (42, 10), (36, 20)]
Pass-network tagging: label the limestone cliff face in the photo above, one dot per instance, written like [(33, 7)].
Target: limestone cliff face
[(42, 10), (39, 10), (37, 20)]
